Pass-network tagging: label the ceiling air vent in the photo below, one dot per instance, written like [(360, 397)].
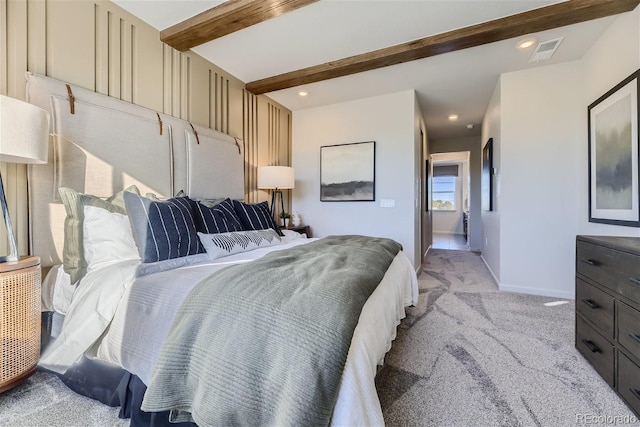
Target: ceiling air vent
[(545, 50)]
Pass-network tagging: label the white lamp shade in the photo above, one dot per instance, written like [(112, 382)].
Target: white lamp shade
[(276, 177), (24, 132)]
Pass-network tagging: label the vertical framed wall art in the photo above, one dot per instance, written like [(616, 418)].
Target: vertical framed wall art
[(487, 176), (613, 155), (347, 172)]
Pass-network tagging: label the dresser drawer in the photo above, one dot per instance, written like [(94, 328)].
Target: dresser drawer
[(617, 270), (596, 306), (629, 381), (629, 328), (596, 349)]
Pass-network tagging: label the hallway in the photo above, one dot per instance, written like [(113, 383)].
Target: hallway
[(449, 241)]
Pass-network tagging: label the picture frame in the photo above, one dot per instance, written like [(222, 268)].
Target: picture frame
[(614, 188), (487, 176), (347, 172)]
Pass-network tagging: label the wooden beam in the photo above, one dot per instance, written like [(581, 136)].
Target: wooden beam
[(545, 18), (226, 18)]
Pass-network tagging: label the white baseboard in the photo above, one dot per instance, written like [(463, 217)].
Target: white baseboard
[(537, 291), (529, 291), (495, 279)]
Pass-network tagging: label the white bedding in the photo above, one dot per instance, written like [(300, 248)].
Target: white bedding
[(112, 300)]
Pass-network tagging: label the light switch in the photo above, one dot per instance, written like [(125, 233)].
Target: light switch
[(387, 203)]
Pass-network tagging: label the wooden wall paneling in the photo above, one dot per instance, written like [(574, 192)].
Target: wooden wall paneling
[(37, 36), (250, 137), (71, 42), (16, 48), (4, 24), (114, 46), (102, 34), (197, 95), (147, 67), (235, 102), (185, 73), (126, 60)]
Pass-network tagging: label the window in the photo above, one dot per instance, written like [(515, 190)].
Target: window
[(444, 193)]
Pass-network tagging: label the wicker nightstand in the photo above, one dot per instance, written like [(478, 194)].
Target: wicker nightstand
[(19, 320)]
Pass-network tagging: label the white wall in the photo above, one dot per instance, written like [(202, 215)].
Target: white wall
[(490, 239), (541, 117), (538, 120), (615, 56), (390, 120)]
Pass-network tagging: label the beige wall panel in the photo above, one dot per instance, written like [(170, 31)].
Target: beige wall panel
[(185, 94), (16, 47), (114, 24), (71, 42), (37, 36), (236, 108), (102, 31), (147, 68), (198, 92), (3, 47), (250, 136)]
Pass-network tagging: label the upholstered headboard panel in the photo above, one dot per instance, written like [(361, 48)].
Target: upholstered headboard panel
[(100, 145)]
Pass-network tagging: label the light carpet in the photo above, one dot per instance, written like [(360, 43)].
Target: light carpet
[(469, 355), (466, 355)]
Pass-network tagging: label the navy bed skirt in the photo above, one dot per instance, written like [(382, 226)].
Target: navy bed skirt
[(110, 385)]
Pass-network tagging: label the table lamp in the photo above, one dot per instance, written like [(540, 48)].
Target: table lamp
[(24, 138), (276, 178)]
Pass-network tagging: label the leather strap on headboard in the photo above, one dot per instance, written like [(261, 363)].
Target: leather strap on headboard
[(109, 144)]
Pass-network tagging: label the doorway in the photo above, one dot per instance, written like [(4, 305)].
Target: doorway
[(450, 200)]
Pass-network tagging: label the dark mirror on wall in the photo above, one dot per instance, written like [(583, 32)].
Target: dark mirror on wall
[(487, 176)]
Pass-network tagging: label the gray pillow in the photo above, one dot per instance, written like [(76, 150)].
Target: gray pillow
[(74, 262)]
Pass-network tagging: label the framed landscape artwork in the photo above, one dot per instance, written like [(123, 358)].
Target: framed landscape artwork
[(347, 172), (613, 156)]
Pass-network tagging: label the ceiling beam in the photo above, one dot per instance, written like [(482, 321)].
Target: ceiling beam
[(226, 18), (544, 18)]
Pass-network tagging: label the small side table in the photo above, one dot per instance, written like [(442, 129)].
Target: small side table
[(301, 229), (19, 320)]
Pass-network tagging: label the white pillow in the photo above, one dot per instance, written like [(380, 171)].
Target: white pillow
[(107, 237), (233, 242)]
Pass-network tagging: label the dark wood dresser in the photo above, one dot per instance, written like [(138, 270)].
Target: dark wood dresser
[(608, 311)]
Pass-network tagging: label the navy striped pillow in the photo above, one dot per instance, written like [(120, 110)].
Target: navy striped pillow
[(255, 216), (162, 229), (220, 218)]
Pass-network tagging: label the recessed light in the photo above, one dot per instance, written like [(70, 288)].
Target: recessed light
[(303, 93), (525, 43), (453, 117)]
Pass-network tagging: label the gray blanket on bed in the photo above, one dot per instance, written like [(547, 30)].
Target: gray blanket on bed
[(265, 343)]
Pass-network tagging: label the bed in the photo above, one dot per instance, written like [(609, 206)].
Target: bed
[(115, 319)]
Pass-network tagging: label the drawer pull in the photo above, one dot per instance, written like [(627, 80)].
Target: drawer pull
[(590, 262), (634, 336), (592, 304), (634, 281), (591, 346), (635, 392)]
